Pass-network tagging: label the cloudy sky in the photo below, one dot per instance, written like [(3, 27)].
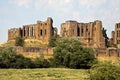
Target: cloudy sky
[(15, 13)]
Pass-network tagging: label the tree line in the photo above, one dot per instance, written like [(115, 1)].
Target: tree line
[(68, 53)]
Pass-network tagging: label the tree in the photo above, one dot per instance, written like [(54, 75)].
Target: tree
[(19, 41), (52, 41), (106, 37), (41, 63), (70, 53), (104, 71), (10, 59)]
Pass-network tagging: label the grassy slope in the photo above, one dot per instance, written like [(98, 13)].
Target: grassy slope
[(44, 74), (28, 43)]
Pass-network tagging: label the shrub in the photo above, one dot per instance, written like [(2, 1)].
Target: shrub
[(105, 71), (52, 42), (10, 59), (19, 41), (41, 63)]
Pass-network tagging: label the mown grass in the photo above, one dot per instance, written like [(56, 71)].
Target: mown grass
[(44, 74)]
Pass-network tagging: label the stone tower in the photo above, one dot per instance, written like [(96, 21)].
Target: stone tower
[(98, 38)]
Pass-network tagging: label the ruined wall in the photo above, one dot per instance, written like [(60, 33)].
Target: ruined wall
[(44, 30), (89, 34), (55, 31), (112, 39), (117, 35), (107, 52), (28, 31), (113, 36), (41, 31), (13, 33), (34, 51), (98, 36)]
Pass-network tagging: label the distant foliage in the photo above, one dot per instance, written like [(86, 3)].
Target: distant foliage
[(52, 42), (105, 71), (41, 63), (19, 41), (70, 53), (106, 37), (10, 59)]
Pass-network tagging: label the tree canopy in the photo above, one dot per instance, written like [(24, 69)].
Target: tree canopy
[(70, 53)]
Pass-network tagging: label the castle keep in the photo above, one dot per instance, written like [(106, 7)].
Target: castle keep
[(88, 33), (42, 31)]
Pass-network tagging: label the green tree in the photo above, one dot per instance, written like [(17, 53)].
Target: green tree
[(70, 53), (10, 59), (52, 41), (41, 63), (19, 41), (106, 37), (105, 71)]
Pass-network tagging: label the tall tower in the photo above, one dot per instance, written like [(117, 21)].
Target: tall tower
[(98, 35)]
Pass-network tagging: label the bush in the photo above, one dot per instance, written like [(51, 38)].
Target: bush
[(41, 63), (10, 59), (105, 71), (52, 42), (70, 53), (19, 41)]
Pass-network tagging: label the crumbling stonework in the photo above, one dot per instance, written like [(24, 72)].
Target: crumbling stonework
[(42, 31), (107, 52), (88, 33), (116, 35), (34, 50), (13, 33)]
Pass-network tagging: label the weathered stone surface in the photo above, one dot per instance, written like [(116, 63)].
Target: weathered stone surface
[(41, 31), (89, 33)]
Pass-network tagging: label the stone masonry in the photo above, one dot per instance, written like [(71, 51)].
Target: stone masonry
[(42, 31), (116, 35), (88, 33)]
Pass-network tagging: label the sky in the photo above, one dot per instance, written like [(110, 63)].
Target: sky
[(15, 13)]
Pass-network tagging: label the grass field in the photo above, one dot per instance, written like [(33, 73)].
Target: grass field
[(44, 74)]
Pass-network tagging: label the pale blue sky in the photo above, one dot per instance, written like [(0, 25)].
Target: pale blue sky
[(15, 13)]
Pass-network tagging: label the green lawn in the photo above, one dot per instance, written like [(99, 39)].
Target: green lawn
[(44, 74)]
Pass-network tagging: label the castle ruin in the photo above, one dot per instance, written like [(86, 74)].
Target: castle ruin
[(88, 33), (116, 35), (42, 31)]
